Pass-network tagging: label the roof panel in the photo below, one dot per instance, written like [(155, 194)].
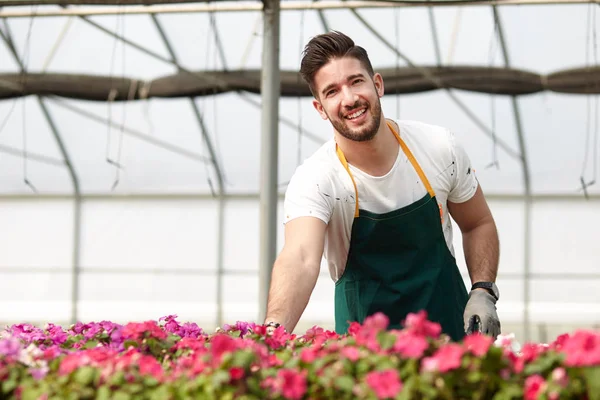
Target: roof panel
[(88, 50), (557, 39), (26, 130), (146, 166)]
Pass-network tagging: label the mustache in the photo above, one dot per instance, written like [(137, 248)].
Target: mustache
[(353, 107)]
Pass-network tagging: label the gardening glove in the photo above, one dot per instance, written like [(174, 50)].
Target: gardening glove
[(480, 314)]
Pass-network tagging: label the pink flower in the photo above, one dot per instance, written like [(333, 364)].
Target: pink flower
[(419, 324), (10, 347), (137, 330), (308, 355), (582, 349), (351, 353), (279, 338), (386, 384), (410, 345), (292, 383), (221, 344), (559, 375), (478, 344), (377, 322), (171, 324), (530, 352), (236, 373), (150, 366), (446, 358), (56, 333), (534, 387)]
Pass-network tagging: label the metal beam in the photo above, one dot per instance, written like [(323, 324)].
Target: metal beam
[(269, 151), (232, 6), (244, 96), (436, 81), (32, 156), (74, 179), (509, 198), (132, 132), (526, 183)]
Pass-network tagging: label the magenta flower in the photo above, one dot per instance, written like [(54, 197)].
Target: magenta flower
[(10, 347)]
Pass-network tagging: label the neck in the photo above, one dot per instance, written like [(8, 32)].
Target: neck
[(374, 157)]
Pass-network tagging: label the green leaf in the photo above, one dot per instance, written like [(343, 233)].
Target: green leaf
[(90, 344), (509, 392), (219, 378), (243, 358), (130, 343), (344, 382), (103, 393), (9, 385), (84, 375), (160, 393), (592, 377), (386, 340), (121, 395)]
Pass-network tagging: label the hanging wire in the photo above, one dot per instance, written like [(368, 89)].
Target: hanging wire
[(25, 63), (117, 163), (111, 97), (491, 58), (586, 184), (14, 102), (208, 62)]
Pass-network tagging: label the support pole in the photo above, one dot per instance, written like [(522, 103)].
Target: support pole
[(75, 266), (527, 186), (270, 90)]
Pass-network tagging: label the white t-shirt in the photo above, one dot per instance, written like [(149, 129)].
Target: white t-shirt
[(322, 188)]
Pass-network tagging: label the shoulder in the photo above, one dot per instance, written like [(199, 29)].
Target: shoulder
[(434, 137), (428, 141), (314, 185), (318, 169)]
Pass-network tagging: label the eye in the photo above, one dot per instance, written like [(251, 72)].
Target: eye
[(357, 81), (329, 93)]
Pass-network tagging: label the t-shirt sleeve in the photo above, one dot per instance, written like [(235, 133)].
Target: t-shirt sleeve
[(465, 182), (308, 195)]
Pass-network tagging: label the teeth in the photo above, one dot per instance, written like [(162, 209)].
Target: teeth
[(356, 114)]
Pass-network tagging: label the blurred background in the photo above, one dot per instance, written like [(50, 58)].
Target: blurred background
[(130, 173)]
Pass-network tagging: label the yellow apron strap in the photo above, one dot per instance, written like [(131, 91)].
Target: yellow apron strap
[(345, 164), (408, 154), (413, 161)]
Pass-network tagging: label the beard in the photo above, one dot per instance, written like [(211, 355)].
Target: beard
[(363, 133)]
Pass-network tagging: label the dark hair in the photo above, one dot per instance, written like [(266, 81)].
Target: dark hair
[(325, 47)]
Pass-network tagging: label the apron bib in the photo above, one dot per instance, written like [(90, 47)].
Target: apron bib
[(398, 263)]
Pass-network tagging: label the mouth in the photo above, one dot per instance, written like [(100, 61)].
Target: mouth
[(356, 114)]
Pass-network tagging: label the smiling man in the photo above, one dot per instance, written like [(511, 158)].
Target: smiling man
[(376, 202)]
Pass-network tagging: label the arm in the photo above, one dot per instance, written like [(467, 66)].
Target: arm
[(295, 271), (481, 247), (480, 237)]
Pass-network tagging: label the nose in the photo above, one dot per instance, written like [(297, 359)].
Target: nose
[(349, 98)]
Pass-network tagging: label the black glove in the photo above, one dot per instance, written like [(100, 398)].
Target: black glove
[(480, 314)]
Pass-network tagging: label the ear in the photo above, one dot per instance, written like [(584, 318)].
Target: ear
[(317, 105), (378, 81)]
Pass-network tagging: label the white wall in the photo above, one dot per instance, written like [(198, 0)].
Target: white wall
[(145, 258)]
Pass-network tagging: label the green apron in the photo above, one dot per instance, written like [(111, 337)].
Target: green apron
[(398, 263)]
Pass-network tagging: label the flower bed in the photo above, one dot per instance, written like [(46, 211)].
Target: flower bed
[(167, 360)]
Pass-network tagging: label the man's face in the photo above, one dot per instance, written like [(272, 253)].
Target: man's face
[(349, 98)]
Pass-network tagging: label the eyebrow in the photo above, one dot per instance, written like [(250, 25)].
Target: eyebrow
[(349, 78)]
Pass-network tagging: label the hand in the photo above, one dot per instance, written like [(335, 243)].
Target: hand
[(481, 309)]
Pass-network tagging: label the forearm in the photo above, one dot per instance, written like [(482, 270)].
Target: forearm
[(481, 249), (292, 284)]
